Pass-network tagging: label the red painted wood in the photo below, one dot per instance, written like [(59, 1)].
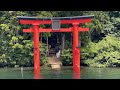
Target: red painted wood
[(76, 51), (75, 30), (80, 29), (50, 22), (36, 51)]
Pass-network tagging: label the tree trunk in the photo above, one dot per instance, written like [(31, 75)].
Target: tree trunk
[(71, 39), (63, 42), (47, 47), (57, 38), (41, 38)]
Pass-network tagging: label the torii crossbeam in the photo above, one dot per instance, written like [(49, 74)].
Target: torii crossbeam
[(56, 22)]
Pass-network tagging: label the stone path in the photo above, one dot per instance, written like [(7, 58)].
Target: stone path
[(54, 62)]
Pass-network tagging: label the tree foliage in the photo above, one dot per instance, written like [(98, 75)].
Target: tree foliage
[(100, 47)]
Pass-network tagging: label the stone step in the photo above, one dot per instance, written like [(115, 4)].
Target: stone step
[(54, 62), (55, 66)]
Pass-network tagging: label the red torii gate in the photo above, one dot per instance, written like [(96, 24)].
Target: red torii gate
[(56, 22)]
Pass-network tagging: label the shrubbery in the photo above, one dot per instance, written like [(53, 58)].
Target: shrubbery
[(66, 57), (105, 53)]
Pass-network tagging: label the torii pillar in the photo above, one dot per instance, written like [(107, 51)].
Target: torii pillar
[(36, 52), (76, 51)]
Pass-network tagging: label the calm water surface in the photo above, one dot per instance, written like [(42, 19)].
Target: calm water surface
[(64, 73), (100, 73)]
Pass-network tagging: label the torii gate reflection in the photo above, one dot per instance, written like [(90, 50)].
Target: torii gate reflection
[(56, 22)]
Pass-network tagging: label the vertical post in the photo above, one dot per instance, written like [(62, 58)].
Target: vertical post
[(76, 52), (36, 52)]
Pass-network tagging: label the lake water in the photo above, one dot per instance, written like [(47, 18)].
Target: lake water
[(100, 73), (64, 73)]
